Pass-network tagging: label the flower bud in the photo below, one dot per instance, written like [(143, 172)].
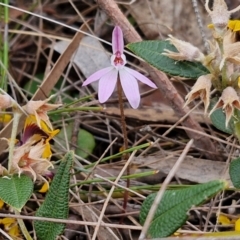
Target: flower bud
[(231, 53), (219, 15), (5, 101), (201, 89), (186, 51)]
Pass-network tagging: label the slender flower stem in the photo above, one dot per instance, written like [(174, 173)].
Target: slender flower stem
[(16, 118), (125, 139), (4, 12), (123, 122)]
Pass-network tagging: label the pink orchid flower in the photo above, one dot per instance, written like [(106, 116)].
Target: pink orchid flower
[(108, 76)]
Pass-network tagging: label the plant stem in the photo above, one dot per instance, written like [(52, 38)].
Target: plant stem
[(16, 118), (74, 109), (23, 227), (4, 54), (125, 139), (123, 122)]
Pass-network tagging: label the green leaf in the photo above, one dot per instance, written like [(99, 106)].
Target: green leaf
[(16, 190), (151, 52), (234, 170), (56, 202), (218, 119), (31, 86), (86, 143), (172, 210), (85, 140)]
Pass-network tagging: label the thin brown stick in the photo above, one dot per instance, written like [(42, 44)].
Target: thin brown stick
[(88, 223), (160, 78)]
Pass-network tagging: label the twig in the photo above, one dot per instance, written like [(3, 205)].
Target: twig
[(200, 24), (162, 190), (66, 221), (160, 78), (5, 234)]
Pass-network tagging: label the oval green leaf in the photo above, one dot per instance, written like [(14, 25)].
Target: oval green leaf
[(218, 119), (172, 211), (151, 52), (16, 190), (85, 140), (234, 170)]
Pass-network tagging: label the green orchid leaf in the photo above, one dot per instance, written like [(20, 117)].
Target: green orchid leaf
[(151, 52), (172, 211), (16, 190), (56, 202), (86, 143), (85, 140), (234, 170)]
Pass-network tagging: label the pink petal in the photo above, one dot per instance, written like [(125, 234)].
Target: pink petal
[(117, 40), (97, 75), (106, 85), (141, 77), (130, 88)]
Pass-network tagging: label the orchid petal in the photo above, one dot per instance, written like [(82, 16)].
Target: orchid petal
[(106, 85), (117, 40), (97, 75), (140, 77), (130, 87)]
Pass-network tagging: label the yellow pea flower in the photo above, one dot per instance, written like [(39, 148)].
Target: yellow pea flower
[(234, 25)]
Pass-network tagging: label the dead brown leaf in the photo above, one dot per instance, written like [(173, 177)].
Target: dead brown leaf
[(192, 169)]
